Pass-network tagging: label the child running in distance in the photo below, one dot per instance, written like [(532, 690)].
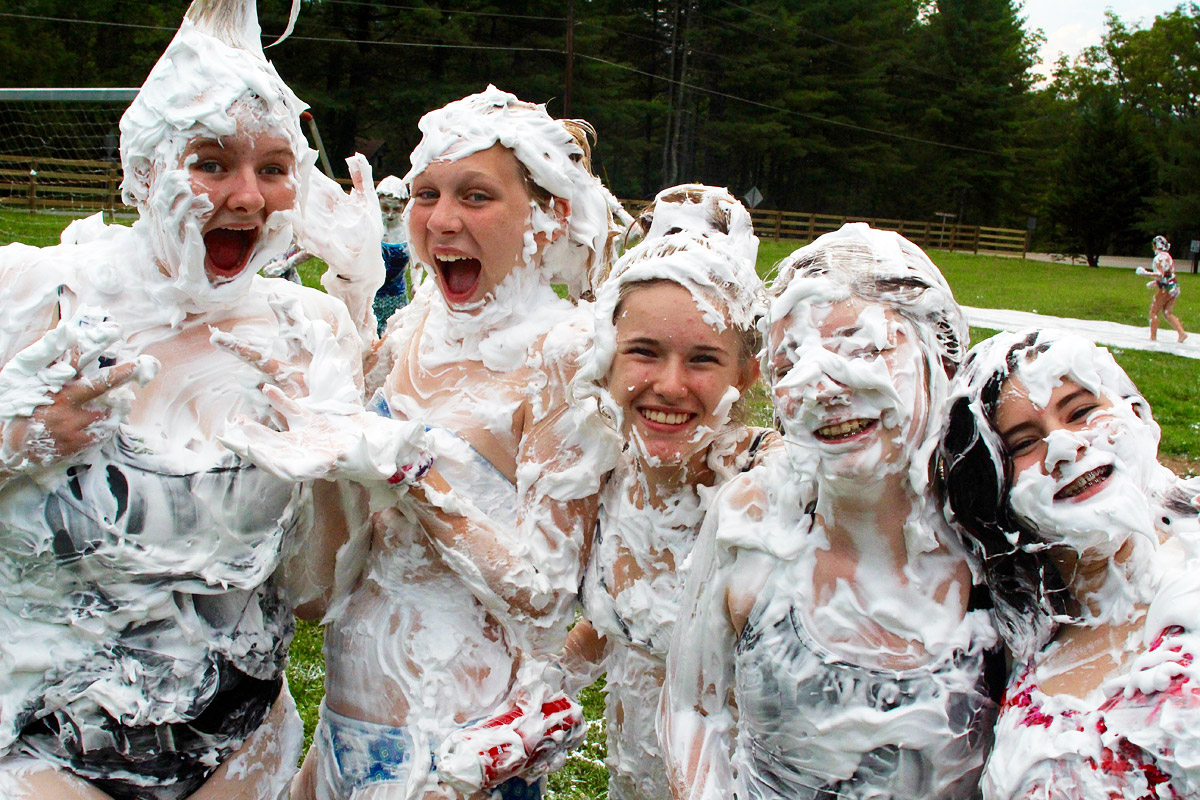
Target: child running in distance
[(676, 350), (827, 647), (147, 613), (436, 678), (1089, 548), (1166, 288)]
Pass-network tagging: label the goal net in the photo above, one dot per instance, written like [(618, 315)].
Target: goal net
[(59, 159)]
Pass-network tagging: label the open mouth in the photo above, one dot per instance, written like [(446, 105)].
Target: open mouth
[(460, 275), (228, 250), (841, 431), (1084, 482), (667, 418)]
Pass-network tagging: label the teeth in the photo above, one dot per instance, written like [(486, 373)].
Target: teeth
[(453, 258), (842, 429), (1084, 481), (665, 418)]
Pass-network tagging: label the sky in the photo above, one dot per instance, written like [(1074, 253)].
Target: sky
[(1071, 25)]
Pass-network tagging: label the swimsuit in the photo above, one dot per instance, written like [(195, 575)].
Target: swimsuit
[(146, 637), (639, 620), (1118, 743), (814, 725)]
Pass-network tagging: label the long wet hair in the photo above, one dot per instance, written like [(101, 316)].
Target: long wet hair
[(976, 477)]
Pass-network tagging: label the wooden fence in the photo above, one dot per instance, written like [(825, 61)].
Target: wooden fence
[(804, 227), (36, 184)]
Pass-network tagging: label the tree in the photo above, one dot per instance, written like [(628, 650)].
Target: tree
[(1103, 180)]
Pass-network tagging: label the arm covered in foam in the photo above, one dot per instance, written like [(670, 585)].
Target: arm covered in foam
[(532, 570), (345, 231), (697, 713)]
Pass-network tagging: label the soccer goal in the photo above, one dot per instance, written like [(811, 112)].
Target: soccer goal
[(59, 159)]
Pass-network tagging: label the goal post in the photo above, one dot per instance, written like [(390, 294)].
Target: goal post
[(59, 157)]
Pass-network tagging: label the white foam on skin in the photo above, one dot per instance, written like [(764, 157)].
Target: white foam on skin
[(1136, 732), (478, 581), (822, 648), (645, 533), (707, 211), (197, 566)]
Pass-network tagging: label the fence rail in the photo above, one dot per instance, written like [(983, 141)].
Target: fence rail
[(38, 184)]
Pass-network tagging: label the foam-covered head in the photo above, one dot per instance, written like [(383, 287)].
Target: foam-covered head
[(553, 158), (877, 266), (724, 288), (1160, 244), (704, 211), (1011, 525), (212, 82)]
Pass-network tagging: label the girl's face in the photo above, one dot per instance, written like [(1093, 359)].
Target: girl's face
[(470, 223), (246, 177), (850, 385), (1078, 464), (674, 375)]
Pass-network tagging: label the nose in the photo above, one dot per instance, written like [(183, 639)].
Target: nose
[(245, 194), (1062, 447), (827, 388), (444, 218), (671, 382)]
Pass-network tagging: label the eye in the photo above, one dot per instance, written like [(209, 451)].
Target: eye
[(638, 351), (425, 195), (705, 358), (1080, 413), (210, 166), (477, 196), (274, 169), (1022, 445)]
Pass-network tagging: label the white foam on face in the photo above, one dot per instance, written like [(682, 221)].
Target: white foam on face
[(554, 161), (203, 87), (707, 211), (725, 288), (807, 672)]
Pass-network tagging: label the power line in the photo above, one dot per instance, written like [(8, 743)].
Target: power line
[(558, 51)]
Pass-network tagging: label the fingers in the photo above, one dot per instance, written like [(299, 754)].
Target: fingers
[(84, 391), (277, 372)]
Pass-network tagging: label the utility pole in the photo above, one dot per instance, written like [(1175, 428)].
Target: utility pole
[(570, 58)]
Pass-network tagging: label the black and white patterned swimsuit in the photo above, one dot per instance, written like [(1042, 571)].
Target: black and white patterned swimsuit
[(147, 632), (813, 725)]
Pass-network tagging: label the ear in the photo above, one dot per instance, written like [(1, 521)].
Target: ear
[(561, 213), (750, 375)]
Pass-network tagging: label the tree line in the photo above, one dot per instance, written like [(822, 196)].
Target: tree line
[(875, 108)]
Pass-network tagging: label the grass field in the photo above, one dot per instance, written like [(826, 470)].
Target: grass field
[(1065, 290)]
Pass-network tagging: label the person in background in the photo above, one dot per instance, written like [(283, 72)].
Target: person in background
[(1166, 288), (396, 290)]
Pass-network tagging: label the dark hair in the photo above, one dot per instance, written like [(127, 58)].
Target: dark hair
[(975, 477)]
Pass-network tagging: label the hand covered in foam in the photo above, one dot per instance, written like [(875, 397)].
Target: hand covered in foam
[(327, 438), (345, 231), (55, 398), (527, 740)]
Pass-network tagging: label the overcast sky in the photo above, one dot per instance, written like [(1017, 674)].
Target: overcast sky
[(1071, 25)]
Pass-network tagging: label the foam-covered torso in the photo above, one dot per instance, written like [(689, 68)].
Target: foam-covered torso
[(140, 569)]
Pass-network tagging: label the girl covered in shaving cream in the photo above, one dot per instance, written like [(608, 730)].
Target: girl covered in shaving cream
[(1089, 550)]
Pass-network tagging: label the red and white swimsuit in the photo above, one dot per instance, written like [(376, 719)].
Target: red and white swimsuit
[(1132, 744)]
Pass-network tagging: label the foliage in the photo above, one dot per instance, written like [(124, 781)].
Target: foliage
[(1103, 179)]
